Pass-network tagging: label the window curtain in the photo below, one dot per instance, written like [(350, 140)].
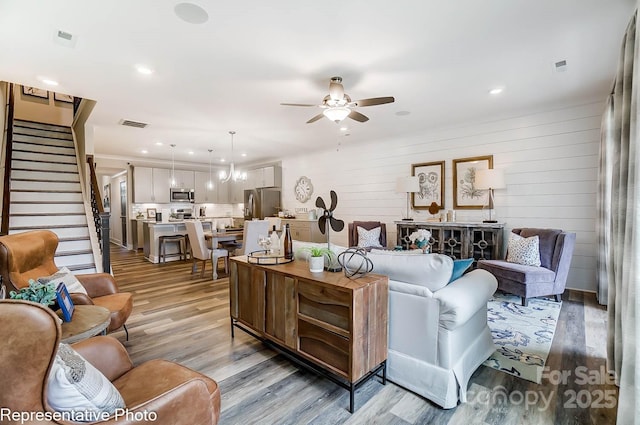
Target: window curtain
[(618, 229)]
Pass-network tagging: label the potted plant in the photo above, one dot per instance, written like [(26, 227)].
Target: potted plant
[(43, 293), (317, 254)]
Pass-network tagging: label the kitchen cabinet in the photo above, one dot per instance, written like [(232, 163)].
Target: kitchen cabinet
[(151, 185), (305, 230), (205, 194), (184, 179), (224, 192), (265, 177), (236, 194)]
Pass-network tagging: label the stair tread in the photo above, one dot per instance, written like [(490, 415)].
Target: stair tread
[(57, 226), (43, 161), (75, 252), (46, 214), (44, 153), (79, 238), (47, 171), (81, 266), (28, 123), (48, 202), (45, 191)]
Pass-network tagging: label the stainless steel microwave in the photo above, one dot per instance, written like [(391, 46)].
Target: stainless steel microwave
[(181, 195)]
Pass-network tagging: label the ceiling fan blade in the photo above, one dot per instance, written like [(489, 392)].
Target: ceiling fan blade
[(336, 91), (373, 101), (316, 118), (320, 203), (334, 200), (355, 115), (306, 105), (336, 224), (322, 224)]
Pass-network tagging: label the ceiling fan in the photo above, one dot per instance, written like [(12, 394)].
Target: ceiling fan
[(338, 105)]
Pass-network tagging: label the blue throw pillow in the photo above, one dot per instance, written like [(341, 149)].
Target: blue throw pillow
[(459, 267)]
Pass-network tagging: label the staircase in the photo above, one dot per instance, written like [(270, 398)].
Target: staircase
[(46, 192)]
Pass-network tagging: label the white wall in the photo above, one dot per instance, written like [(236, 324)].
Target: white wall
[(550, 161)]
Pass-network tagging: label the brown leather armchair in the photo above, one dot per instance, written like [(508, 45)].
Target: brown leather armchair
[(30, 255), (31, 332)]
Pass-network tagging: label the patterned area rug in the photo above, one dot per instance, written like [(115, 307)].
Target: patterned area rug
[(522, 335)]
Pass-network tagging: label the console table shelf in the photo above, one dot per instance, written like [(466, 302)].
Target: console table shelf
[(330, 322), (480, 241)]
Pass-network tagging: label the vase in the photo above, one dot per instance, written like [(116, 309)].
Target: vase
[(316, 264)]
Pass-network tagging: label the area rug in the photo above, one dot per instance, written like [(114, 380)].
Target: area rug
[(522, 335)]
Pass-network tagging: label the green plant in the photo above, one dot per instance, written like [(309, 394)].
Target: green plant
[(43, 293), (317, 251)]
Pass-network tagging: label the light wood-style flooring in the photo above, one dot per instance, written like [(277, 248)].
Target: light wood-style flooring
[(183, 318)]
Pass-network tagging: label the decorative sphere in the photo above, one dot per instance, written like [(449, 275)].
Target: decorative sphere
[(355, 263)]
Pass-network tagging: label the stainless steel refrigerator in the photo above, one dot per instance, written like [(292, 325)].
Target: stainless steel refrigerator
[(261, 203)]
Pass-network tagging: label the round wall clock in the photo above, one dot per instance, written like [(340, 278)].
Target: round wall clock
[(303, 189)]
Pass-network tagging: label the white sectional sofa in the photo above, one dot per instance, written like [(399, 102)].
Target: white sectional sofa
[(438, 332)]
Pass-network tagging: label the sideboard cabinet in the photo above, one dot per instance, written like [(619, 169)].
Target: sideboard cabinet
[(480, 241), (336, 324)]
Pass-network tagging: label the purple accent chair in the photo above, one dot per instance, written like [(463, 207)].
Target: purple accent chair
[(556, 250)]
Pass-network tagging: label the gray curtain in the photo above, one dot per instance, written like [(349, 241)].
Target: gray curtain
[(618, 228)]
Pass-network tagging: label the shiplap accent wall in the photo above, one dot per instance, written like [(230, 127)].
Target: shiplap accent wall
[(550, 162)]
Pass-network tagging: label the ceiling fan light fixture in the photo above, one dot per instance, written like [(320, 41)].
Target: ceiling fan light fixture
[(337, 113)]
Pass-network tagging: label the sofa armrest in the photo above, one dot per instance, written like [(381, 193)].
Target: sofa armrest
[(409, 288), (462, 298), (98, 284), (106, 354)]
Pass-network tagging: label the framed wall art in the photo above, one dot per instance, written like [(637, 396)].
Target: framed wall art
[(431, 178), (465, 193), (151, 213), (35, 92), (62, 97)]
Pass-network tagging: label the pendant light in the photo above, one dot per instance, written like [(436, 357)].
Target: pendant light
[(173, 165), (224, 177), (210, 184)]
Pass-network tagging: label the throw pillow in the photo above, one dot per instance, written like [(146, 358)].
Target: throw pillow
[(76, 385), (525, 251), (459, 267), (369, 238), (65, 276)]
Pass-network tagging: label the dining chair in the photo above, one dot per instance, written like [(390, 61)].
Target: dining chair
[(252, 230), (200, 250)]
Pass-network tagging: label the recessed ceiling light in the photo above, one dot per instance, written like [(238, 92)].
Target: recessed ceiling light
[(496, 90), (343, 128), (243, 154), (158, 143), (144, 70), (190, 152), (49, 82), (144, 151), (221, 159), (191, 13)]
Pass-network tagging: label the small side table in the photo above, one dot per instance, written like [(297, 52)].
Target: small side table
[(87, 321)]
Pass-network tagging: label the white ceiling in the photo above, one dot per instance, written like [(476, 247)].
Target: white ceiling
[(438, 58)]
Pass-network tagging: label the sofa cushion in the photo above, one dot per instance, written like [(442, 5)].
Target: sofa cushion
[(432, 271), (76, 385), (65, 276), (369, 238), (459, 267), (524, 251), (517, 272), (547, 238)]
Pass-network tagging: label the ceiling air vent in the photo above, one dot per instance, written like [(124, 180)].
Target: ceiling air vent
[(65, 38), (561, 66), (135, 124)]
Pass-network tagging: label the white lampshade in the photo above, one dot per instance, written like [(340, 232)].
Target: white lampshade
[(490, 179), (408, 184), (337, 113)]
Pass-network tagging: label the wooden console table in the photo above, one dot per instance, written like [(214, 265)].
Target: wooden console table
[(334, 325), (480, 241)]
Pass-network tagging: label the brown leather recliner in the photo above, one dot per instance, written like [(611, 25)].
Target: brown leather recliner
[(31, 332), (30, 255)]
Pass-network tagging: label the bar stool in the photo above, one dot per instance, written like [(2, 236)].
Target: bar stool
[(177, 239)]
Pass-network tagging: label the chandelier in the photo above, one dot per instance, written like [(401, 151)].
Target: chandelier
[(233, 174)]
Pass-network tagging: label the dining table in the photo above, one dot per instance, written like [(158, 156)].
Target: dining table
[(223, 236)]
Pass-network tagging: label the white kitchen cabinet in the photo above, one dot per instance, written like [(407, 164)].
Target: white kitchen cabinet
[(161, 185), (206, 194), (184, 179), (236, 195), (264, 177), (224, 192), (142, 185)]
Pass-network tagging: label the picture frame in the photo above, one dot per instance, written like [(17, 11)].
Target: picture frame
[(465, 195), (106, 201), (61, 97), (431, 178), (64, 302), (35, 92), (151, 213)]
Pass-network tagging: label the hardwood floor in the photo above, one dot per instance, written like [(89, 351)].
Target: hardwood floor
[(183, 318)]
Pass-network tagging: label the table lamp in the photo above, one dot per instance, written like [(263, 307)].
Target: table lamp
[(408, 185), (489, 180)]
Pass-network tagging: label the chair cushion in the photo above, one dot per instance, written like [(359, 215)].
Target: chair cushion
[(548, 238), (369, 238), (120, 306), (517, 272), (74, 384), (432, 271), (65, 276), (525, 251)]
